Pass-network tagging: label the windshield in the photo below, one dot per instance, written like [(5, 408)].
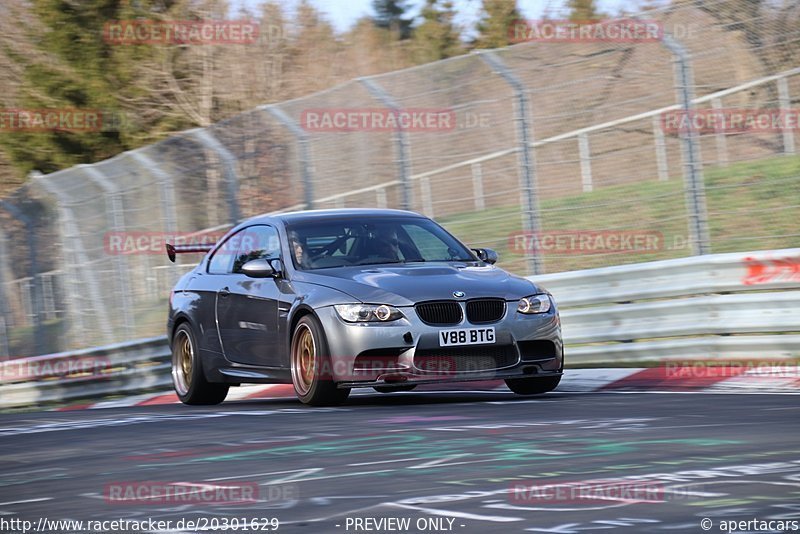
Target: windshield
[(345, 242)]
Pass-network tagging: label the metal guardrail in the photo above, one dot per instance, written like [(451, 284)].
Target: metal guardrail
[(720, 306), (696, 275), (119, 369), (712, 307)]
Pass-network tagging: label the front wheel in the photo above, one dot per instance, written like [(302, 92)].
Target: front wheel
[(312, 375), (188, 379), (533, 386)]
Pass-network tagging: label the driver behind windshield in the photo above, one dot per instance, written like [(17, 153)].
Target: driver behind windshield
[(387, 245)]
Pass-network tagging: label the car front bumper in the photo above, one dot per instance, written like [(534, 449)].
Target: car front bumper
[(401, 352)]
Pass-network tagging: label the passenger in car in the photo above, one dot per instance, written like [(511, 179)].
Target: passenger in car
[(298, 250)]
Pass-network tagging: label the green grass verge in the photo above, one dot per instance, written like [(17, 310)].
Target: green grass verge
[(751, 206)]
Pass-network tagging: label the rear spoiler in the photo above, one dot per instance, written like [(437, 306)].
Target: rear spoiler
[(172, 250)]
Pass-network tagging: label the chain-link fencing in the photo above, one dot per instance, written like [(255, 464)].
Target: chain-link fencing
[(561, 152)]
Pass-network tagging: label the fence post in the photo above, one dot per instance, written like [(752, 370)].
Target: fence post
[(5, 279), (69, 234), (693, 172), (401, 143), (380, 198), (585, 155), (783, 103), (427, 196), (228, 169), (719, 135), (4, 349), (303, 152), (48, 297), (527, 162), (167, 188), (36, 282), (661, 150), (115, 208), (477, 186)]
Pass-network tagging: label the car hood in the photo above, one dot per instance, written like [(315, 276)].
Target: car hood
[(407, 284)]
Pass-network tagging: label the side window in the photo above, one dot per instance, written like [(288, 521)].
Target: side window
[(247, 244), (222, 259), (256, 242)]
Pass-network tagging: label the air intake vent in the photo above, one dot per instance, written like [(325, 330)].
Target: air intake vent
[(465, 359)]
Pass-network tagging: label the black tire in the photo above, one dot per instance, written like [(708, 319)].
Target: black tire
[(393, 389), (312, 373), (533, 386), (188, 379)]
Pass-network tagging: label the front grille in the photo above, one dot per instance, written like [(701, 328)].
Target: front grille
[(440, 313), (465, 359), (482, 311)]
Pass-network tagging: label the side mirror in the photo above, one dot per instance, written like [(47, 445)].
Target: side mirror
[(486, 254), (260, 268)]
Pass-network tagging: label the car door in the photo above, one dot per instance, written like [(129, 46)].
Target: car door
[(247, 308)]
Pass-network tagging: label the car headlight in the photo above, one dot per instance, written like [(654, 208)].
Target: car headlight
[(534, 304), (363, 313)]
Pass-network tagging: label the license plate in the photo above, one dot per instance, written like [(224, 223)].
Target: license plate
[(466, 336)]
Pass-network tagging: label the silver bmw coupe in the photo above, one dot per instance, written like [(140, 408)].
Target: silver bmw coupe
[(330, 300)]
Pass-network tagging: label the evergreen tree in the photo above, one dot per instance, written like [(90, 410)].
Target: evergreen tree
[(583, 10), (437, 37), (371, 50), (72, 67), (313, 51), (391, 15), (496, 25)]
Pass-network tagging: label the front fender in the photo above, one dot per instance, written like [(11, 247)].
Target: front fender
[(308, 299)]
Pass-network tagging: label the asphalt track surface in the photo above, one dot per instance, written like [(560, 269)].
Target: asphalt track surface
[(467, 462)]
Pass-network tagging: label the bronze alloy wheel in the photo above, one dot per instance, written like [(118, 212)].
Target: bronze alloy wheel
[(312, 376), (304, 359), (188, 379), (182, 362)]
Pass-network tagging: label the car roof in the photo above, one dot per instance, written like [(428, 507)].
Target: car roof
[(314, 215)]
